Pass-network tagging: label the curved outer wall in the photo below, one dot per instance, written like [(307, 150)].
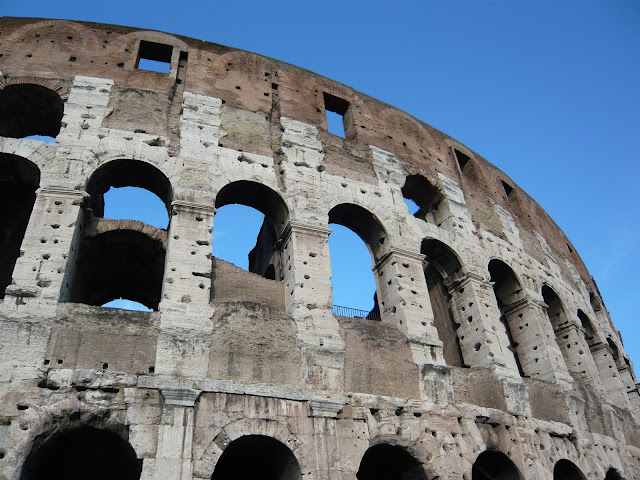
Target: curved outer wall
[(228, 353)]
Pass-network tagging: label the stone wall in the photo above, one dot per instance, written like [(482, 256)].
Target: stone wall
[(494, 356)]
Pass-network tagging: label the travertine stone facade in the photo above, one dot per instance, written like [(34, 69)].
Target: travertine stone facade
[(494, 356)]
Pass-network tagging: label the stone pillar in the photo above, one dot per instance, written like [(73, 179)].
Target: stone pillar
[(535, 341), (183, 344), (44, 271), (306, 273), (608, 370), (626, 375), (482, 338), (327, 448), (175, 437), (577, 355), (404, 301)]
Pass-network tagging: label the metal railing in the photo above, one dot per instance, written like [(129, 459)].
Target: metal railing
[(355, 313)]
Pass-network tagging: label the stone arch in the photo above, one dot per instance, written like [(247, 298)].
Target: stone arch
[(385, 461), (441, 266), (204, 466), (567, 470), (416, 139), (364, 224), (19, 180), (494, 465), (127, 173), (507, 289), (590, 334), (28, 108), (74, 443), (88, 35), (613, 474)]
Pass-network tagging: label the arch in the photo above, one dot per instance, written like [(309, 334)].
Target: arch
[(567, 470), (441, 265), (425, 195), (384, 461), (257, 456), (120, 259), (19, 180), (70, 454), (364, 224), (127, 173), (30, 109), (589, 332), (507, 290), (493, 465), (613, 474), (555, 308)]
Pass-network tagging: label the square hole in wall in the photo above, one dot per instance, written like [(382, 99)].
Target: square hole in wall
[(155, 57), (507, 188), (462, 159), (338, 113)]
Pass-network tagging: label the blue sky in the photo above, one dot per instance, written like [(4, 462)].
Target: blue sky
[(546, 90)]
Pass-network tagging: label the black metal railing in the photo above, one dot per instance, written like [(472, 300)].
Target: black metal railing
[(355, 313)]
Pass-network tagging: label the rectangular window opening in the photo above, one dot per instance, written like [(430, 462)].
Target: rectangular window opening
[(339, 121), (507, 188), (155, 57), (463, 159)]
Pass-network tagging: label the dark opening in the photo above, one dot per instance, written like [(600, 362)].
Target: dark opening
[(507, 188), (19, 180), (257, 456), (339, 121), (462, 159), (615, 352), (507, 290), (555, 310), (613, 474), (81, 453), (424, 195), (567, 470), (494, 466), (385, 462), (154, 56), (589, 333), (442, 265), (28, 109)]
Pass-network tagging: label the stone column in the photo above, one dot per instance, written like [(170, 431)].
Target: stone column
[(608, 370), (404, 301), (44, 271), (626, 375), (535, 341), (307, 281), (482, 338), (175, 437), (324, 415), (183, 343), (578, 359)]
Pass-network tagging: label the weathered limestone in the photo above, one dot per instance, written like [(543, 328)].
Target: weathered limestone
[(261, 369)]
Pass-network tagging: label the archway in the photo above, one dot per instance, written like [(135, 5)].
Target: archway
[(418, 191), (384, 462), (567, 470), (257, 456), (492, 465), (28, 109), (19, 180), (81, 453)]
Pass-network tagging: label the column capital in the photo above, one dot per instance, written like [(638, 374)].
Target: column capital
[(464, 279), (295, 226), (59, 191), (184, 206), (184, 397), (398, 252), (523, 303)]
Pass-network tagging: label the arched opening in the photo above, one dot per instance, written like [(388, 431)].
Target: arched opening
[(491, 465), (131, 189), (441, 266), (354, 292), (81, 452), (589, 332), (613, 474), (423, 199), (120, 260), (257, 456), (507, 290), (567, 470), (555, 310), (250, 220), (19, 180), (383, 461), (28, 109)]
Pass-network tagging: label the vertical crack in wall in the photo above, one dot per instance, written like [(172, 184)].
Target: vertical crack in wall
[(174, 109), (275, 133)]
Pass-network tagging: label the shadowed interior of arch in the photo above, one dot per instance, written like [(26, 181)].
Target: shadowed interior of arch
[(383, 461), (29, 109), (492, 465), (257, 456), (80, 453), (566, 470)]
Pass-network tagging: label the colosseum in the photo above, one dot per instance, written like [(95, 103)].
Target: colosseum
[(489, 353)]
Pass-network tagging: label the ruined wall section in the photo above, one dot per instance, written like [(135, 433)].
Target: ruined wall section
[(228, 353)]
